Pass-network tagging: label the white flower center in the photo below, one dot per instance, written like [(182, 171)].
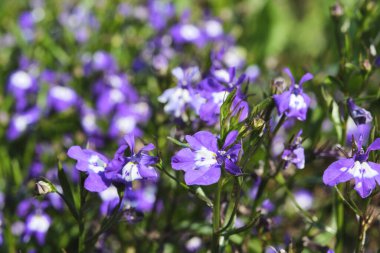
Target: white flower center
[(115, 81), (361, 170), (222, 74), (126, 124), (204, 157), (109, 194), (189, 32), (213, 28), (38, 223), (96, 164), (89, 122), (21, 79), (21, 122), (116, 96), (130, 172), (62, 93), (219, 97), (177, 98), (297, 102)]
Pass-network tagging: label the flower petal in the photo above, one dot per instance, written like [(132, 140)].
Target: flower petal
[(203, 176), (287, 71), (231, 137), (375, 145), (282, 101), (305, 78), (96, 182), (203, 139), (232, 168), (337, 172), (183, 160)]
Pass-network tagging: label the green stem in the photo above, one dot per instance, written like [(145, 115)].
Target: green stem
[(339, 216), (236, 194), (197, 192), (81, 220), (216, 217), (362, 236)]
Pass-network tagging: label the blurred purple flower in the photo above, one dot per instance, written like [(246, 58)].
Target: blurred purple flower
[(362, 122), (110, 199), (295, 153), (294, 102), (159, 13), (61, 98), (365, 173), (79, 21), (20, 122), (37, 224), (202, 162), (215, 89), (304, 199), (94, 164), (179, 98)]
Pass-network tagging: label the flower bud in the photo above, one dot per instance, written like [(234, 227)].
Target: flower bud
[(43, 188), (336, 10), (366, 65), (278, 85)]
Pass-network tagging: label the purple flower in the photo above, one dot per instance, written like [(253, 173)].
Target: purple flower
[(294, 102), (215, 89), (203, 160), (358, 114), (159, 13), (179, 98), (125, 169), (79, 21), (37, 221), (188, 33), (21, 121), (365, 173), (304, 199), (61, 98), (110, 199), (37, 224), (295, 153), (94, 164), (361, 125)]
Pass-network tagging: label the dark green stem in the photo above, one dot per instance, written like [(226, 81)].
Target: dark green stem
[(81, 220), (216, 217)]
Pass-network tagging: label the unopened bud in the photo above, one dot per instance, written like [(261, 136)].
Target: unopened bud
[(258, 123), (366, 65), (336, 10), (43, 188), (278, 85)]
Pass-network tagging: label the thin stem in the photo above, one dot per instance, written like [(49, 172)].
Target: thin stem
[(81, 220), (197, 192), (216, 217), (362, 235), (352, 206), (236, 193)]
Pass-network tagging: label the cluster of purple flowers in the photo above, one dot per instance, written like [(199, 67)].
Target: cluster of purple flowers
[(121, 169)]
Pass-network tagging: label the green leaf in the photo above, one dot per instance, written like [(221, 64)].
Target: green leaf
[(260, 107), (67, 194), (181, 144)]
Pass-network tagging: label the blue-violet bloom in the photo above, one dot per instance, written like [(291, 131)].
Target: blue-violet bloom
[(365, 173), (203, 160), (294, 102), (94, 164)]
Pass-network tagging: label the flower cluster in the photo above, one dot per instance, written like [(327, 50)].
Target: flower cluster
[(121, 169)]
